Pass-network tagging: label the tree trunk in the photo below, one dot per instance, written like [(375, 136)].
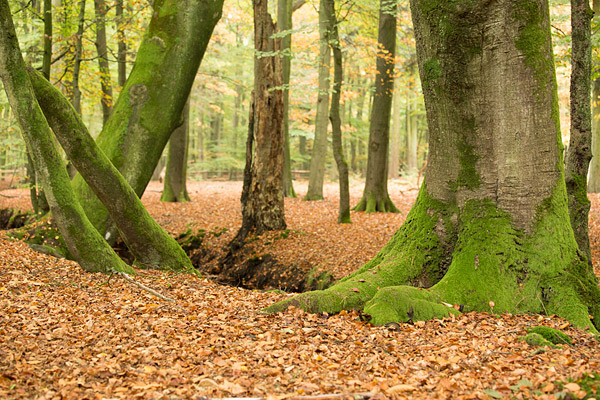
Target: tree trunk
[(121, 44), (375, 196), (334, 116), (47, 60), (394, 160), (319, 150), (284, 23), (150, 104), (490, 229), (149, 243), (262, 193), (412, 137), (82, 240), (75, 96), (102, 49), (175, 189), (594, 173), (580, 143)]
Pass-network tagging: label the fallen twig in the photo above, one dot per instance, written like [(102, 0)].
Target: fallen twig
[(141, 286)]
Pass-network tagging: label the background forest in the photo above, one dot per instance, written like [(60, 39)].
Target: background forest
[(220, 98)]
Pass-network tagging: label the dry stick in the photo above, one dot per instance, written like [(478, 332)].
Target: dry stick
[(366, 395), (146, 288)]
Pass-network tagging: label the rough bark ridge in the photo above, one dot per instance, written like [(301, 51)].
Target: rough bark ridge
[(150, 104), (148, 241), (334, 116), (580, 144), (175, 188), (319, 150), (375, 197), (80, 237), (262, 193), (490, 235)]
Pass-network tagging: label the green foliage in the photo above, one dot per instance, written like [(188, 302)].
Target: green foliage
[(552, 335)]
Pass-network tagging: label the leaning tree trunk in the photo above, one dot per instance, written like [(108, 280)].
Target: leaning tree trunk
[(334, 116), (150, 104), (262, 193), (148, 241), (580, 143), (319, 150), (375, 196), (284, 24), (175, 187), (82, 240), (490, 229)]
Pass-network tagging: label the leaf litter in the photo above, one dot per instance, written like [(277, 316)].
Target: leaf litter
[(68, 334)]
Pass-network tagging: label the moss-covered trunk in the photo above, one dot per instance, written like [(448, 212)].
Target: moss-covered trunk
[(82, 240), (175, 185), (150, 104), (490, 230), (375, 196), (319, 150), (580, 143), (149, 243)]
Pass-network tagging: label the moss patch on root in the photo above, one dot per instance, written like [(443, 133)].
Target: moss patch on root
[(552, 335)]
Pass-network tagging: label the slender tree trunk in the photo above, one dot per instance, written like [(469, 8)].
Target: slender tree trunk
[(375, 196), (82, 240), (47, 61), (334, 116), (149, 243), (319, 151), (594, 174), (150, 104), (580, 144), (284, 23), (394, 160), (262, 193), (412, 134), (75, 97), (175, 189), (121, 44), (102, 49), (490, 230)]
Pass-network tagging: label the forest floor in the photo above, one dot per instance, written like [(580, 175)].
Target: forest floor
[(69, 334)]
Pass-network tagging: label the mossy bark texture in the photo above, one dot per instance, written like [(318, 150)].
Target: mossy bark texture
[(82, 240), (150, 105), (490, 229), (580, 143), (148, 241), (375, 197)]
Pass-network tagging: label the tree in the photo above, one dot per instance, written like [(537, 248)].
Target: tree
[(375, 195), (262, 193), (83, 241), (580, 143), (594, 174), (149, 106), (319, 150), (334, 115), (490, 229), (175, 189)]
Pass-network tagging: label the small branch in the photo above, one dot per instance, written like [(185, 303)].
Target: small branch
[(7, 196), (314, 397), (146, 288)]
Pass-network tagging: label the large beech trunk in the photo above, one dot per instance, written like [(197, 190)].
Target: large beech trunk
[(375, 196), (490, 229), (82, 240), (150, 104)]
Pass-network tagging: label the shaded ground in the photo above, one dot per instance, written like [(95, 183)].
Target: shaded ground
[(67, 334)]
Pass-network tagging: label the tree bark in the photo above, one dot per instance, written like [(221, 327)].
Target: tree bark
[(319, 150), (82, 240), (102, 49), (284, 23), (75, 92), (375, 196), (490, 229), (175, 189), (262, 193), (396, 132), (594, 173), (334, 116), (121, 44), (47, 60), (580, 144), (150, 104), (412, 138)]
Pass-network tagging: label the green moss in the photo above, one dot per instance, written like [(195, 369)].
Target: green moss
[(537, 340), (553, 335), (318, 280), (433, 70)]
